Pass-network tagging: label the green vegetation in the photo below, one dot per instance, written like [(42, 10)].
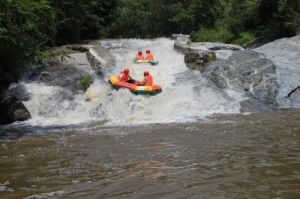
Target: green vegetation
[(244, 38), (220, 33), (85, 81), (29, 27), (26, 28)]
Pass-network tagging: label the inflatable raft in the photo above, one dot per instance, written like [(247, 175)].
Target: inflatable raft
[(145, 61), (152, 90)]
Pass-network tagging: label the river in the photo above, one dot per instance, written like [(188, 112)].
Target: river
[(190, 141), (231, 156)]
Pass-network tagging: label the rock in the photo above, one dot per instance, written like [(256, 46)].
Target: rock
[(12, 110), (246, 71), (292, 99), (223, 54), (181, 42), (102, 55), (92, 55), (69, 68), (63, 76), (19, 91), (215, 46), (253, 105), (199, 60), (285, 54), (199, 54), (99, 59)]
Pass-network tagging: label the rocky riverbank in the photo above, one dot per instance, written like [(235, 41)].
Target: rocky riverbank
[(268, 75)]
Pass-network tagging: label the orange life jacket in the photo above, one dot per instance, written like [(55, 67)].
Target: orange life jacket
[(139, 57), (123, 77), (149, 57), (149, 80)]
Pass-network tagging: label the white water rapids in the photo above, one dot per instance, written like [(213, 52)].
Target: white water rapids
[(186, 95)]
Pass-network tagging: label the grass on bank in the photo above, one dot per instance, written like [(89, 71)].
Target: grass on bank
[(222, 34)]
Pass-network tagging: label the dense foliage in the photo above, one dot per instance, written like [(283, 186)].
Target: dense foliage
[(82, 19), (244, 21), (27, 27), (148, 18)]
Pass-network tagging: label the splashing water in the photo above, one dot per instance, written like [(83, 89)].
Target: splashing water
[(186, 95)]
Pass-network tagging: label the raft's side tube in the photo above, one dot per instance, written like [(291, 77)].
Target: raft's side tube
[(116, 83), (145, 61)]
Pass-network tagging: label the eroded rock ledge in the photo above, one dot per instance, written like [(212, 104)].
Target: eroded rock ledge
[(199, 55), (66, 70)]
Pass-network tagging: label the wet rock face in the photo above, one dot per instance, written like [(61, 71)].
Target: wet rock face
[(285, 53), (67, 70), (199, 54), (12, 110), (19, 91), (99, 59), (247, 71), (62, 76), (182, 42), (199, 60)]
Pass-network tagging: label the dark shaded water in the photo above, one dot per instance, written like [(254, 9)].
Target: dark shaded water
[(234, 156)]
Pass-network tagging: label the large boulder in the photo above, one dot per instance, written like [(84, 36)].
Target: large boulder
[(215, 46), (285, 54), (248, 72), (12, 110), (88, 57), (182, 42), (68, 69), (19, 91), (199, 59), (99, 59), (64, 76), (102, 55), (199, 54)]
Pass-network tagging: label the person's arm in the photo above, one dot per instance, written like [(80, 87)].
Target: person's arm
[(142, 83)]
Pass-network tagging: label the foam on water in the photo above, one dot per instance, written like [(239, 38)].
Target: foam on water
[(186, 95)]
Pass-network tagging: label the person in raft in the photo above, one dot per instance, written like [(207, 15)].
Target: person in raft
[(139, 56), (149, 56), (148, 80), (125, 77)]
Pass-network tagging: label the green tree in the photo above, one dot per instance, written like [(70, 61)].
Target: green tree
[(82, 19), (26, 28), (267, 18), (146, 18)]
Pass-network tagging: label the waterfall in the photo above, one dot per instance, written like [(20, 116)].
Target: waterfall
[(186, 95)]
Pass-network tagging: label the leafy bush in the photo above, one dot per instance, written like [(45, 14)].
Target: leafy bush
[(244, 38), (26, 28), (220, 34), (85, 81)]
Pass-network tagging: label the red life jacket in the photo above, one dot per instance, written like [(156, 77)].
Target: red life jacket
[(149, 57), (139, 57), (149, 80), (123, 77)]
